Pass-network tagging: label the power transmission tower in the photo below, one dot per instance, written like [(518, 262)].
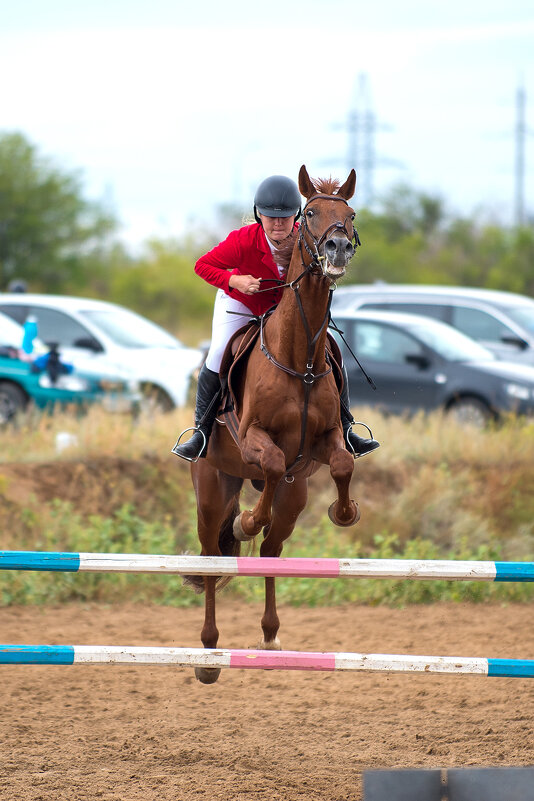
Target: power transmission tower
[(361, 126)]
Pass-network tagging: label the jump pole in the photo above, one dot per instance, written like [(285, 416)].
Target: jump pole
[(262, 660), (419, 569)]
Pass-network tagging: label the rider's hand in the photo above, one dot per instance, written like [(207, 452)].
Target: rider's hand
[(246, 284)]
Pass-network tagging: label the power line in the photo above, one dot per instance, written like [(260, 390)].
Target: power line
[(520, 137)]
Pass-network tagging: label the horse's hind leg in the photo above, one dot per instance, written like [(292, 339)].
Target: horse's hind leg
[(289, 501), (216, 493)]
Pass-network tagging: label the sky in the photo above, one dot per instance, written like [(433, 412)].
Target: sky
[(170, 109)]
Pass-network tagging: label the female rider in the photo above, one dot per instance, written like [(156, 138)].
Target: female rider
[(235, 267)]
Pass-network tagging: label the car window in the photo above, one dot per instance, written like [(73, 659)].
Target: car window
[(524, 315), (383, 343), (129, 329), (450, 343), (479, 324), (11, 333), (17, 312), (436, 310), (56, 326)]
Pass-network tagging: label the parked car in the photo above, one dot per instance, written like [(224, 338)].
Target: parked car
[(502, 321), (104, 334), (25, 380), (422, 364)]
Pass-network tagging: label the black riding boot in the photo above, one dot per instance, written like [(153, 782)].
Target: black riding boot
[(359, 446), (208, 394)]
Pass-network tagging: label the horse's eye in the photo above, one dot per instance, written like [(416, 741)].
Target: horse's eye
[(352, 216), (309, 213)]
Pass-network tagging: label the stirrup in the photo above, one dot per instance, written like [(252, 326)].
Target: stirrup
[(359, 423), (177, 443), (348, 443)]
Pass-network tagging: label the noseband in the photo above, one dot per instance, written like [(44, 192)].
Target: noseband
[(318, 262)]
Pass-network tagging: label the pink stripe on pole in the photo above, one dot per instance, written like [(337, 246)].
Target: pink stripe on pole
[(283, 660), (273, 566)]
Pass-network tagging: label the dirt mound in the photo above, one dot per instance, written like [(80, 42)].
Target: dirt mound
[(94, 486)]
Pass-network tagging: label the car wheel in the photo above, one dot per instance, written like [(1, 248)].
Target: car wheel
[(12, 400), (471, 411), (155, 399)]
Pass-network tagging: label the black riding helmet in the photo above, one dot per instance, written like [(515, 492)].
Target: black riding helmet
[(277, 196)]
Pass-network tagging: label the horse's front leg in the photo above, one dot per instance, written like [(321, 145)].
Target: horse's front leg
[(258, 449), (344, 511)]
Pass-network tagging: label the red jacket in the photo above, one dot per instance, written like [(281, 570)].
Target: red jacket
[(246, 252)]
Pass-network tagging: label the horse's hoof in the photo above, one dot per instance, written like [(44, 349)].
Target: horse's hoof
[(335, 519), (273, 645), (207, 675), (239, 534)]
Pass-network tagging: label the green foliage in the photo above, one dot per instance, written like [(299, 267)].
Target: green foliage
[(163, 285), (412, 239), (125, 532), (49, 234)]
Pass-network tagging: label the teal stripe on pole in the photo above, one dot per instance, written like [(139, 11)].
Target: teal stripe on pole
[(36, 655), (36, 560), (518, 668), (514, 571)]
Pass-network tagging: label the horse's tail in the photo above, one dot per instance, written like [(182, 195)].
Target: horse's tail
[(228, 546)]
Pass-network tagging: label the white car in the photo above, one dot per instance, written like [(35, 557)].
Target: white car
[(94, 333)]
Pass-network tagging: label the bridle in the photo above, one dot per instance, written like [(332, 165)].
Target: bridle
[(317, 266), (317, 261)]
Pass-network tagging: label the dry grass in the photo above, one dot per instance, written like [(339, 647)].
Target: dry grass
[(432, 490)]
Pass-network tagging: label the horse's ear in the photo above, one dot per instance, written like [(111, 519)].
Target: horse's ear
[(306, 187), (347, 190)]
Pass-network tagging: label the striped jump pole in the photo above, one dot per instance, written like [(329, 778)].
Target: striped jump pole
[(421, 569), (262, 660)]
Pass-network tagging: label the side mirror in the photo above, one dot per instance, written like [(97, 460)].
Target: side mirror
[(513, 340), (89, 343), (419, 359)]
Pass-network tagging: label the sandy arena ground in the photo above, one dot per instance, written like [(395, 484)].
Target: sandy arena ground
[(116, 733)]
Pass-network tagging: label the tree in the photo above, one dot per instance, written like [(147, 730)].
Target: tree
[(47, 229)]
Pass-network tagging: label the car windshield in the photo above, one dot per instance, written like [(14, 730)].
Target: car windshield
[(129, 329), (450, 343), (523, 315)]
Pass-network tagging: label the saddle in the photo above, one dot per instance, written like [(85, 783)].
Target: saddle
[(234, 363)]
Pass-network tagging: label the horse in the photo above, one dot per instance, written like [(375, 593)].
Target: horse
[(289, 410)]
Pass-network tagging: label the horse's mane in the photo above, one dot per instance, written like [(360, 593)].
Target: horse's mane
[(325, 186), (282, 255)]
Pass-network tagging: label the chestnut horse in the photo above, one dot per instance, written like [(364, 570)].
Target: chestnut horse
[(289, 411)]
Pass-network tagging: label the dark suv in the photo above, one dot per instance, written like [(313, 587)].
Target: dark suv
[(422, 364)]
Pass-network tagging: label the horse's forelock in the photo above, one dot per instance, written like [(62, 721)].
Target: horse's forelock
[(326, 186)]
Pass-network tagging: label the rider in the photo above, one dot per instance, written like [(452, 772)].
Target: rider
[(235, 267)]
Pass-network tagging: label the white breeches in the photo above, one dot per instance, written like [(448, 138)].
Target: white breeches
[(224, 325)]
